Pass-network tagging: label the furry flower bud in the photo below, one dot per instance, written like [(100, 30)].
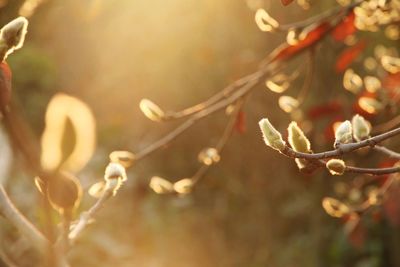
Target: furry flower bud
[(336, 166), (343, 133), (12, 36), (151, 110), (272, 137), (297, 140), (161, 185), (114, 176), (361, 128), (334, 207)]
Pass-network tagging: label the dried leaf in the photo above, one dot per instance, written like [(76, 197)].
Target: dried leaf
[(65, 111)]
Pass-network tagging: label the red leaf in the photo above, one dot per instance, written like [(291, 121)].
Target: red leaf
[(286, 2), (349, 55), (358, 235), (392, 83), (286, 51), (326, 109), (391, 206), (5, 84), (240, 124), (345, 28)]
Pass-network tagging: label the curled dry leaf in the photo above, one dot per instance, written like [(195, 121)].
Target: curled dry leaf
[(58, 148)]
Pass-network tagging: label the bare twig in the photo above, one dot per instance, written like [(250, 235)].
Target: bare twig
[(324, 16), (387, 152), (342, 148), (87, 216), (252, 81), (222, 141), (11, 213)]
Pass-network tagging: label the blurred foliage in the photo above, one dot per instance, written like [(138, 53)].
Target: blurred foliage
[(253, 209)]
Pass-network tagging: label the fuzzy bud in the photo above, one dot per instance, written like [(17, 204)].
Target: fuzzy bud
[(12, 36), (151, 110), (361, 128), (160, 185), (183, 186), (336, 166), (343, 133), (272, 137), (114, 176), (125, 158), (297, 140), (288, 103), (334, 207), (264, 21), (209, 156)]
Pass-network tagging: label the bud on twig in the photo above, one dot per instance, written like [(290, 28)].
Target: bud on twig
[(272, 137), (125, 158), (361, 128), (209, 156), (334, 207), (288, 103), (183, 186), (12, 36), (264, 21), (151, 110), (336, 166), (297, 140), (160, 185), (343, 133), (114, 176)]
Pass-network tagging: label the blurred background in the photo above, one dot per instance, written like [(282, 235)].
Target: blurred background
[(254, 208)]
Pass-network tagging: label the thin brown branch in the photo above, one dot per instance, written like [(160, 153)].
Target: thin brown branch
[(253, 80), (305, 89), (342, 148), (169, 115), (11, 213), (324, 16), (372, 171), (87, 216), (222, 141), (387, 152)]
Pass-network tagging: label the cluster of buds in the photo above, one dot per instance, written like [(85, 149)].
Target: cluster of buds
[(162, 186), (374, 13), (359, 129)]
